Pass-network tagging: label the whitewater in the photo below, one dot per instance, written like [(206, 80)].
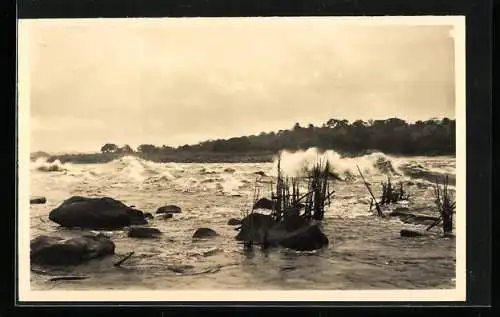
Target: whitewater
[(365, 252)]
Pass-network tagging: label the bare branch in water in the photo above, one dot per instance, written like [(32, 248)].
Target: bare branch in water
[(379, 211), (128, 256)]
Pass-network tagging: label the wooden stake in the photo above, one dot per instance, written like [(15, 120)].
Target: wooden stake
[(128, 256), (379, 211)]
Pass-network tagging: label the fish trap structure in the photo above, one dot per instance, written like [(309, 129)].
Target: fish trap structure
[(297, 206), (288, 200), (392, 194), (445, 205)]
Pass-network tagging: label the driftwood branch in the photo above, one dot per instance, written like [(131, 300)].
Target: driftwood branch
[(67, 278), (128, 256), (379, 211), (437, 222)]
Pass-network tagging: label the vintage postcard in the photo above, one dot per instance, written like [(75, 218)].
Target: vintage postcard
[(240, 159)]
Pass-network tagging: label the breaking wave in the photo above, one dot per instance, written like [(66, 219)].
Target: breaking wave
[(231, 179), (41, 164), (298, 163)]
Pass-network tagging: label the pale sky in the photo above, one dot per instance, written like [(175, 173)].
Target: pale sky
[(178, 81)]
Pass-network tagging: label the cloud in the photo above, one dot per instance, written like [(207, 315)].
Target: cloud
[(169, 80)]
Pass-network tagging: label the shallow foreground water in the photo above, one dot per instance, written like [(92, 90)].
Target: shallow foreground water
[(365, 252)]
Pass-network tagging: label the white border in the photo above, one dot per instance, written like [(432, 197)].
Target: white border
[(457, 294)]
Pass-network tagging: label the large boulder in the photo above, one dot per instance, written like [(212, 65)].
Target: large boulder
[(202, 233), (169, 209), (294, 232), (254, 227), (53, 250), (37, 200), (144, 232), (96, 213), (292, 222), (234, 222), (307, 238), (264, 203)]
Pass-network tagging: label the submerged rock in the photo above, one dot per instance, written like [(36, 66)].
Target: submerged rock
[(234, 222), (410, 233), (166, 216), (419, 220), (144, 232), (96, 213), (169, 209), (201, 233), (261, 173), (148, 215), (229, 170), (409, 218), (400, 210), (53, 250), (38, 200), (264, 203)]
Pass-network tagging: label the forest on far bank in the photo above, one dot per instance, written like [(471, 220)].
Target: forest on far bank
[(391, 136)]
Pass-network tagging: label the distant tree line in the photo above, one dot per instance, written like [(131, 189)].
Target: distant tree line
[(392, 136)]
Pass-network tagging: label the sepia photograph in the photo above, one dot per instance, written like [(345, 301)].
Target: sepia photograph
[(275, 158)]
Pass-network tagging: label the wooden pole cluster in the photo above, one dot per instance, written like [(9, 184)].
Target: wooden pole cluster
[(390, 194), (288, 195), (445, 205)]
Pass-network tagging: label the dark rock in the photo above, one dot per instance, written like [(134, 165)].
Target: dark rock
[(234, 222), (294, 232), (181, 268), (410, 233), (401, 210), (292, 211), (96, 213), (169, 209), (409, 218), (264, 203), (261, 173), (167, 216), (418, 219), (148, 215), (143, 232), (52, 250), (229, 170), (308, 238), (38, 200), (254, 226), (201, 233), (294, 222)]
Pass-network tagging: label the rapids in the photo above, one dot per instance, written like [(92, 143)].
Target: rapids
[(364, 252)]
